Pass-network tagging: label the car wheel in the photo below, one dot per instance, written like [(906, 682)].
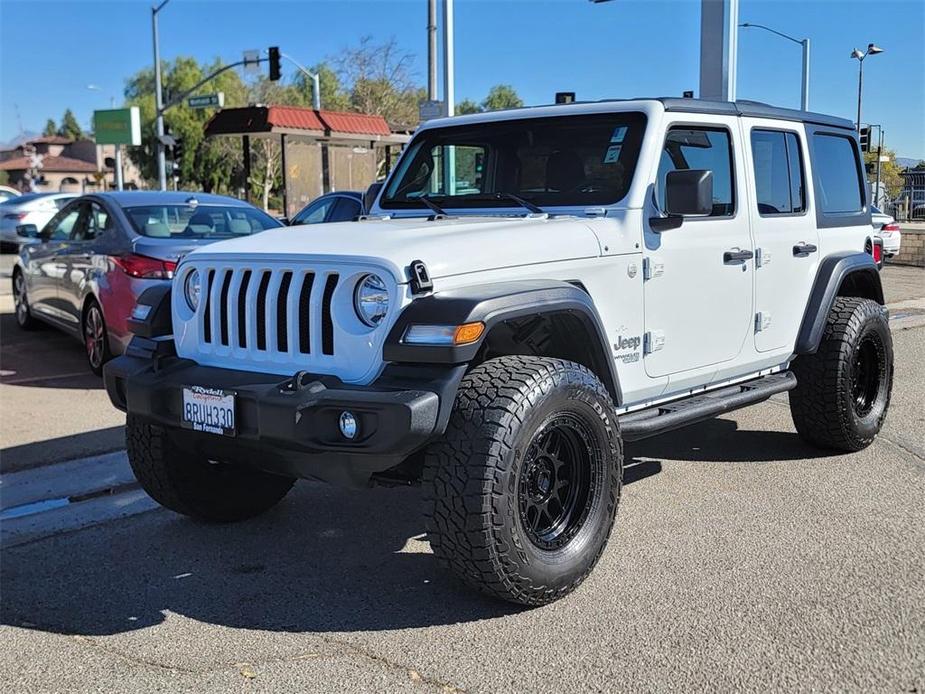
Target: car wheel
[(192, 485), (96, 338), (24, 317), (843, 390), (521, 492)]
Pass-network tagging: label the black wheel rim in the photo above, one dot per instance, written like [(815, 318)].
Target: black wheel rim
[(866, 375), (555, 487), (19, 298), (94, 335)]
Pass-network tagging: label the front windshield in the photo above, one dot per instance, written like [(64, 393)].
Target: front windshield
[(575, 160), (198, 221)]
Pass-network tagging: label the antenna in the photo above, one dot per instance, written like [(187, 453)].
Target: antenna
[(18, 117)]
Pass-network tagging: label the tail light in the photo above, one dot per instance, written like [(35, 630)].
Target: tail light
[(892, 226), (874, 247), (143, 267)]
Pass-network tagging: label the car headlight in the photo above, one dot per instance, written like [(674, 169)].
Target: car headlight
[(371, 300), (192, 288)]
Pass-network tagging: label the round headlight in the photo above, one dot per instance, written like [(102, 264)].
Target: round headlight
[(371, 300), (192, 288)]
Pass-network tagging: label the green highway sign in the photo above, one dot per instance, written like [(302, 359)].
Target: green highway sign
[(206, 100), (117, 126)]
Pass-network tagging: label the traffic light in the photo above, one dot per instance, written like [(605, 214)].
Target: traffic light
[(177, 152), (865, 139), (275, 72)]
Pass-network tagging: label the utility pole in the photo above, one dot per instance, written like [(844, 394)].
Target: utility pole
[(448, 63), (719, 30), (879, 155), (159, 100), (431, 50)]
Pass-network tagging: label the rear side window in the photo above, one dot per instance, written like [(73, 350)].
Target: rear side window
[(778, 172), (838, 173), (701, 148)]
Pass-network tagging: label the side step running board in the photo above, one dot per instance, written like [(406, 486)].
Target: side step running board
[(698, 408)]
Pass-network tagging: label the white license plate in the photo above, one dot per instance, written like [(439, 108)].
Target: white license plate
[(208, 409)]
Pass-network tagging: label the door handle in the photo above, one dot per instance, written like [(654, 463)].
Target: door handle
[(737, 256), (801, 250)]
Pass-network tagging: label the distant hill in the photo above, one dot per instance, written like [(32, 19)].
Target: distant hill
[(906, 162)]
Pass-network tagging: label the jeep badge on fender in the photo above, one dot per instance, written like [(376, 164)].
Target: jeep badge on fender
[(483, 331)]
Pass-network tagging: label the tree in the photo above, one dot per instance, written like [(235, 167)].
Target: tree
[(69, 126), (50, 128), (890, 179), (467, 106), (501, 96)]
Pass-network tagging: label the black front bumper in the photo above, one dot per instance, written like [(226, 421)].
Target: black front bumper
[(291, 428)]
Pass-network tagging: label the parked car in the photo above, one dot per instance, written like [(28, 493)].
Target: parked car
[(886, 228), (29, 208), (623, 269), (93, 259), (342, 206), (6, 193)]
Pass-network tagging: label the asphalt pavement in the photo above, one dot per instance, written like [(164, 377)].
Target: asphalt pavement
[(742, 560)]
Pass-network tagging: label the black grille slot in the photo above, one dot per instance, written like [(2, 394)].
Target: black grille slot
[(242, 309), (262, 311), (207, 315), (223, 308), (305, 296), (327, 324), (282, 304)]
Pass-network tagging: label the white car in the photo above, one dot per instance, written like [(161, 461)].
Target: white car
[(887, 229), (530, 289), (29, 208)]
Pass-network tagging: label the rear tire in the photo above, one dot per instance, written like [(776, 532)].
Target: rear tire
[(843, 390), (521, 492), (96, 337), (24, 317), (194, 486)]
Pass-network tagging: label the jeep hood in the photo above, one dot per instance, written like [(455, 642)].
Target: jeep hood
[(448, 247)]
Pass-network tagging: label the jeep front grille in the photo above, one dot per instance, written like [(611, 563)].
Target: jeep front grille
[(268, 310)]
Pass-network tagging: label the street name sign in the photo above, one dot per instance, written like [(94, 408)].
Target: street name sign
[(206, 100), (117, 126)]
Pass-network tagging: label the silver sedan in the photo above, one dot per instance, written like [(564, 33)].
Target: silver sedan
[(85, 269)]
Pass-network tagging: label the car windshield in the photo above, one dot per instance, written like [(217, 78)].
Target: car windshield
[(563, 161), (198, 221)]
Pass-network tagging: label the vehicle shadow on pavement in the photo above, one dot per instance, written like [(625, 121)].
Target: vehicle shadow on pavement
[(46, 451), (44, 358), (721, 441), (325, 560)]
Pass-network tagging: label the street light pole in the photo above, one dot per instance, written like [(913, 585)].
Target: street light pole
[(159, 101), (804, 93), (871, 50), (313, 76)]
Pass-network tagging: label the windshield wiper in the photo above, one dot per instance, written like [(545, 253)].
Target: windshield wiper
[(503, 195), (434, 207)]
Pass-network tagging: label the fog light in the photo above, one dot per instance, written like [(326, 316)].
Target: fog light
[(348, 425)]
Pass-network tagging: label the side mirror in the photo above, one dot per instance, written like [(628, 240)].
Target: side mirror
[(27, 231), (369, 197), (689, 193)]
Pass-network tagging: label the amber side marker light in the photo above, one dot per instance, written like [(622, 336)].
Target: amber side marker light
[(444, 335)]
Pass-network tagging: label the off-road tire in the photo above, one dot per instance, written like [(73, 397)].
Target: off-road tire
[(192, 485), (829, 408), (474, 477), (24, 318)]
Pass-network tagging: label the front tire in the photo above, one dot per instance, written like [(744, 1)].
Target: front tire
[(522, 490), (843, 390), (194, 486)]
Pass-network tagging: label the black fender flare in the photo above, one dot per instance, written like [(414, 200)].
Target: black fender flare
[(832, 273), (494, 303)]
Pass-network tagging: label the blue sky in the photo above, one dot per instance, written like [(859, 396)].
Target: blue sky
[(50, 51)]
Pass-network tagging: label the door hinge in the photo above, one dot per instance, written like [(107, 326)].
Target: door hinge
[(653, 341), (762, 321), (652, 267), (762, 257)]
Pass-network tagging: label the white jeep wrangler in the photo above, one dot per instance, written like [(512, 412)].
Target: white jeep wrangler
[(532, 288)]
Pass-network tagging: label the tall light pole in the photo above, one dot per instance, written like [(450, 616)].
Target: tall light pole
[(804, 95), (432, 50), (313, 76), (871, 50), (159, 101), (448, 60)]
